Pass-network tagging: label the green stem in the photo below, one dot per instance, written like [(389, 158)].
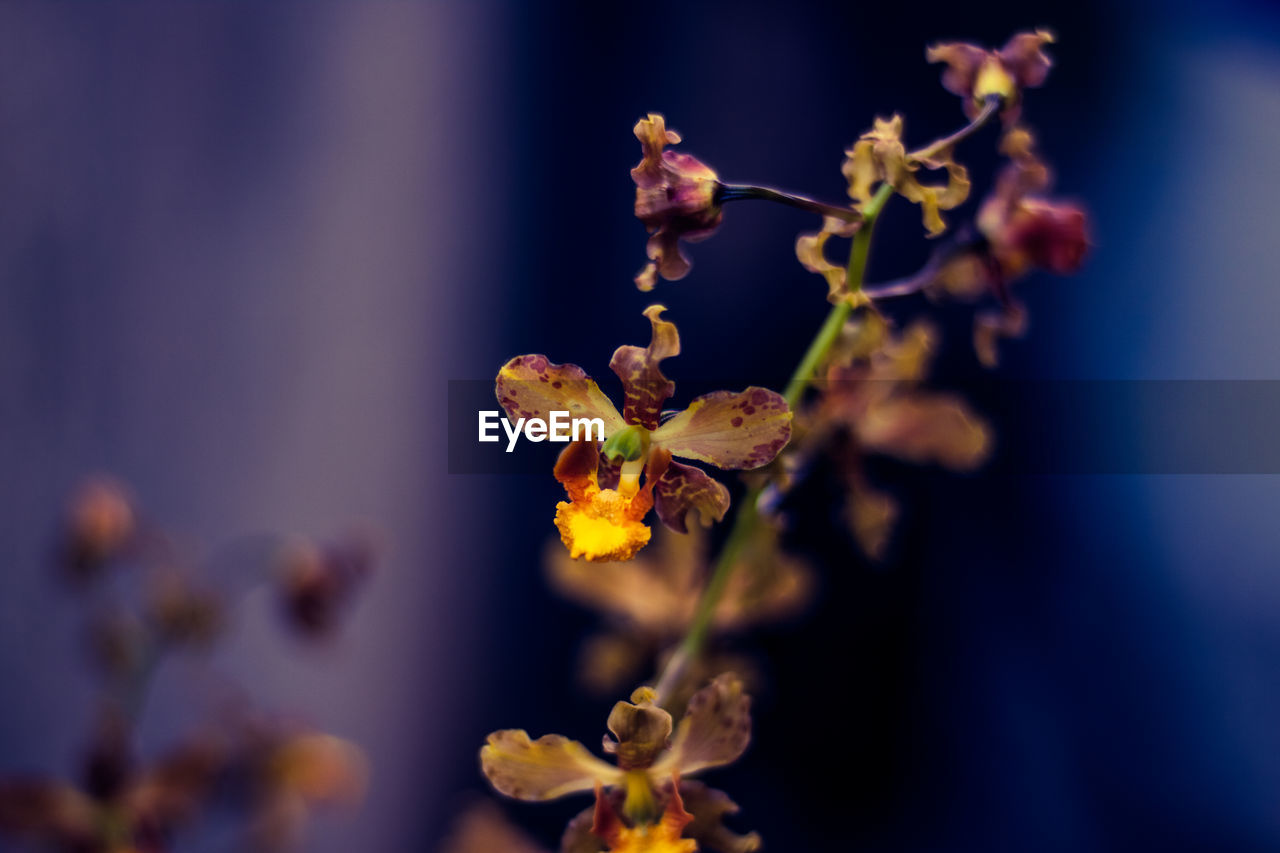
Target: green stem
[(745, 521), (818, 349), (854, 274)]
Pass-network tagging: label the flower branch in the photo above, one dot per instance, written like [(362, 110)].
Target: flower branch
[(741, 192)]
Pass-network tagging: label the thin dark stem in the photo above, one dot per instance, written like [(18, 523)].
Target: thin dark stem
[(934, 148), (743, 192), (927, 274), (900, 287)]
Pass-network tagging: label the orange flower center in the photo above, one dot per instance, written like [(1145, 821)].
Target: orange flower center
[(601, 526)]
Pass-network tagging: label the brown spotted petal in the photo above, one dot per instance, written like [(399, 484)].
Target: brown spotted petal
[(709, 808), (530, 386), (684, 488), (731, 431), (922, 427), (714, 731), (543, 769), (643, 384)]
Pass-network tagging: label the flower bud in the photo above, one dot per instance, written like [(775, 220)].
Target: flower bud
[(642, 729)]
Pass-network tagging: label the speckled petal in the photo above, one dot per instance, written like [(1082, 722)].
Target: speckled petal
[(727, 430), (684, 488), (543, 769), (530, 386), (714, 731), (645, 387)]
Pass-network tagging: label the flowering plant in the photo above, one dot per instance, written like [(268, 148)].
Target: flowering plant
[(860, 389)]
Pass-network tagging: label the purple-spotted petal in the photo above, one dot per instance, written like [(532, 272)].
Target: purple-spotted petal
[(683, 488), (541, 769), (530, 386), (727, 430), (643, 384), (715, 730)]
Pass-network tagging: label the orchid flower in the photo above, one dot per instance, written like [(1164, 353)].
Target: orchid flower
[(603, 519)]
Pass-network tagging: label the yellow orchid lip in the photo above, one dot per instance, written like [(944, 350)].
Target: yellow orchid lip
[(601, 528)]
